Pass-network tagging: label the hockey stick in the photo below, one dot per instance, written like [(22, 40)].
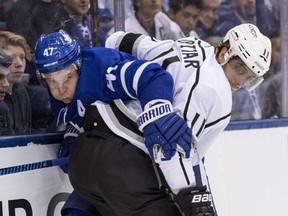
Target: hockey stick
[(33, 166)]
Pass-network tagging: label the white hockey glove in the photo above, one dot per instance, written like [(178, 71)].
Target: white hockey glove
[(165, 130)]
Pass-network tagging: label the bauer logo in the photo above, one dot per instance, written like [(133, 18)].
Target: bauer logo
[(201, 198)]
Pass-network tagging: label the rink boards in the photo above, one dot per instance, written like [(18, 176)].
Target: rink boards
[(39, 192), (247, 167)]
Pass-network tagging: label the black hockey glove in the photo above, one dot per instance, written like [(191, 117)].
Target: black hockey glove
[(195, 201), (164, 130)]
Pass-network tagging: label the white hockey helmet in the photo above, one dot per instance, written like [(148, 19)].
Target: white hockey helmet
[(253, 48)]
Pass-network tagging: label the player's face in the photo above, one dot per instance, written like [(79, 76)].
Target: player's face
[(62, 84), (238, 74), (4, 84)]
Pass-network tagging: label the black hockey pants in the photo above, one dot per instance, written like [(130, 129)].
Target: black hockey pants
[(116, 177)]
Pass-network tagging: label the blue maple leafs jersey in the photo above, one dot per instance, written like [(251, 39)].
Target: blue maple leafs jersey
[(106, 75)]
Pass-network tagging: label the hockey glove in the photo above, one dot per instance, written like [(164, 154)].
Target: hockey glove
[(195, 201), (165, 130)]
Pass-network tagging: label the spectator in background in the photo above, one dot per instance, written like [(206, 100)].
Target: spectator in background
[(245, 11), (106, 23), (24, 18), (109, 4), (207, 20), (246, 104), (148, 19), (5, 118), (242, 11), (185, 13), (17, 97), (78, 21), (5, 6), (268, 15), (29, 105), (47, 15), (271, 87), (30, 19)]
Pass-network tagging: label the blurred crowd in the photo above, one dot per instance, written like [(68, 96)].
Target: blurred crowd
[(22, 22)]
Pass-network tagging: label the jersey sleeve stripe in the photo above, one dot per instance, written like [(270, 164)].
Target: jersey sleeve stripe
[(136, 45), (195, 124), (190, 94), (216, 121), (138, 74), (163, 54), (119, 41), (184, 170), (197, 115), (169, 61), (201, 128), (129, 41), (197, 174), (123, 80), (203, 51)]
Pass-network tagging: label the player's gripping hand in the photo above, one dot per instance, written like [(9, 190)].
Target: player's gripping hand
[(195, 201), (165, 129)]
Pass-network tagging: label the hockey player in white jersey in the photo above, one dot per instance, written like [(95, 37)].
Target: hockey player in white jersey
[(205, 78)]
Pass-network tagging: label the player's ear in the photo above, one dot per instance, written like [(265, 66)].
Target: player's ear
[(223, 56)]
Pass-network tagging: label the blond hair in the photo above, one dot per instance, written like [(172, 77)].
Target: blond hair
[(9, 38)]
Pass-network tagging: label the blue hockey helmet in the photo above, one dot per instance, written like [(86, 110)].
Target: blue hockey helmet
[(56, 51)]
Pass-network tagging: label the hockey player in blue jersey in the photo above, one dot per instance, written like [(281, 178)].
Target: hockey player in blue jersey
[(78, 78)]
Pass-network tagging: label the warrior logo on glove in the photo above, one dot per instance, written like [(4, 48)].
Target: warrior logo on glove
[(151, 115), (165, 132)]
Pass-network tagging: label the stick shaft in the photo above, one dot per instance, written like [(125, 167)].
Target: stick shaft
[(33, 166)]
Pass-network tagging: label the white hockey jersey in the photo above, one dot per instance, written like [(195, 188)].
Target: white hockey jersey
[(202, 93)]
